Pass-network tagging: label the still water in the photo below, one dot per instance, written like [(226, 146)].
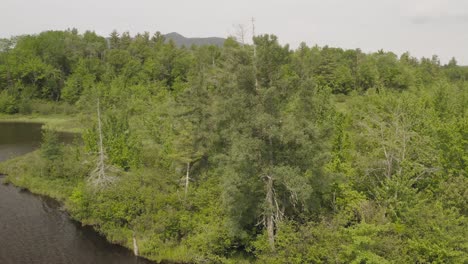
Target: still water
[(33, 229)]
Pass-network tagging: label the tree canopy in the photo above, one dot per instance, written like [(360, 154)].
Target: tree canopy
[(253, 153)]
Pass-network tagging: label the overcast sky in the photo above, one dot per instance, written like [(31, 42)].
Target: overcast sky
[(422, 27)]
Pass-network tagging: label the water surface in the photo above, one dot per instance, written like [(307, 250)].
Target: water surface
[(33, 229)]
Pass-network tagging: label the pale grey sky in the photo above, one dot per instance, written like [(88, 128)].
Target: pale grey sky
[(422, 27)]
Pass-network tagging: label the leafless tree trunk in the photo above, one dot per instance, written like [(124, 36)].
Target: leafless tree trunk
[(135, 246), (101, 164), (187, 179), (254, 53), (99, 176), (240, 33), (273, 213), (269, 216)]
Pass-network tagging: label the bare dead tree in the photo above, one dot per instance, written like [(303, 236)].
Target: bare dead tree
[(240, 32), (254, 53), (136, 250), (187, 180), (99, 177), (270, 212)]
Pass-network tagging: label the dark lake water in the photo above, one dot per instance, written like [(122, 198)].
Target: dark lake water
[(33, 229)]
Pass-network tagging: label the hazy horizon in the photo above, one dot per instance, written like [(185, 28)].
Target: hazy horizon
[(422, 27)]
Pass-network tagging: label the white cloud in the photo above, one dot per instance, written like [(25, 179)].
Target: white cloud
[(434, 8)]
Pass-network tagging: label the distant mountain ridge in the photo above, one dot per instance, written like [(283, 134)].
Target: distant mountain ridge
[(180, 40)]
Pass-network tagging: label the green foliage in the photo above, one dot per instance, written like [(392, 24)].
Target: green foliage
[(357, 158), (121, 146), (51, 148), (8, 103), (60, 161)]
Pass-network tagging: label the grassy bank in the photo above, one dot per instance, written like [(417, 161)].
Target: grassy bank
[(115, 215), (32, 173), (59, 123), (18, 173)]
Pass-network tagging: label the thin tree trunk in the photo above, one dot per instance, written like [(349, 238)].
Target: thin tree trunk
[(101, 147), (254, 53), (272, 210), (99, 176), (135, 245), (270, 223), (187, 179)]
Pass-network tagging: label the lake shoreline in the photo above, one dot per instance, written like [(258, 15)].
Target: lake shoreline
[(60, 205), (12, 172), (21, 183), (59, 123)]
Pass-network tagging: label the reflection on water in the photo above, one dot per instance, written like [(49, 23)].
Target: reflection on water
[(33, 229), (18, 139)]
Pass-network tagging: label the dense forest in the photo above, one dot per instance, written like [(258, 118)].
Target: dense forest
[(248, 152)]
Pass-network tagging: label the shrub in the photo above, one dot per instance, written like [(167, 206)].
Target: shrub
[(8, 103)]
